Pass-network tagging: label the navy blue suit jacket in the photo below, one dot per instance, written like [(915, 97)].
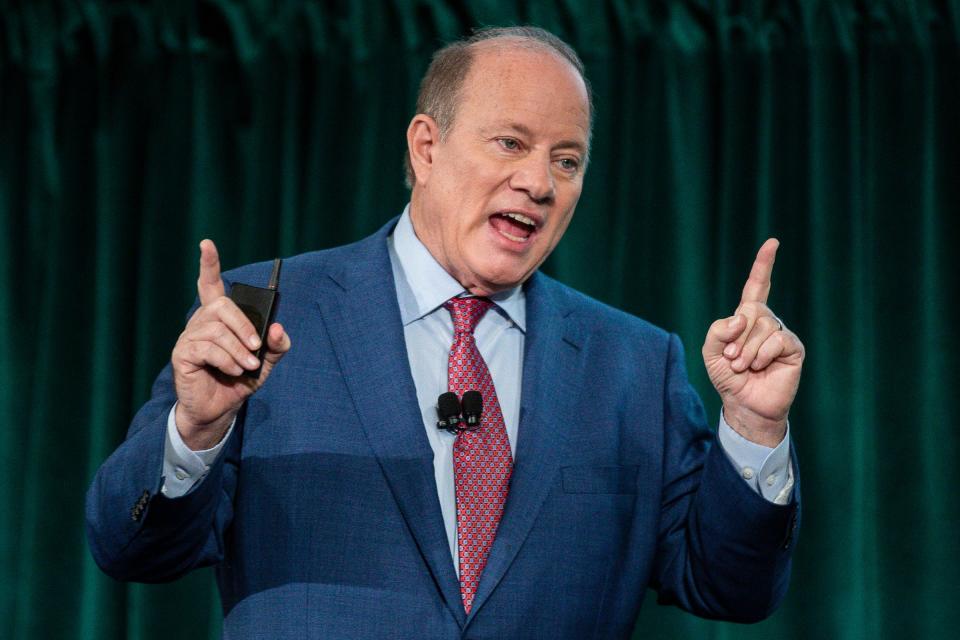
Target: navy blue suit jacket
[(322, 517)]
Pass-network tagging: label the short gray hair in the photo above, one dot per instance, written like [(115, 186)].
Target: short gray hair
[(442, 84)]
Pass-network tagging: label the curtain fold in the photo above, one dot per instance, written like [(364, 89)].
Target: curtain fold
[(131, 130)]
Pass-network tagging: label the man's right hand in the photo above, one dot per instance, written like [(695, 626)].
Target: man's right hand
[(214, 349)]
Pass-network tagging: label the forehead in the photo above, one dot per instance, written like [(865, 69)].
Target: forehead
[(526, 85)]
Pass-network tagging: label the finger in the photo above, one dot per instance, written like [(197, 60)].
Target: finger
[(751, 311), (721, 333), (278, 343), (770, 350), (209, 284), (208, 354), (222, 336), (225, 310), (763, 328), (786, 346), (757, 287)]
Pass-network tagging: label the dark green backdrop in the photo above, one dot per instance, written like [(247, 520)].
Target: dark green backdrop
[(130, 130)]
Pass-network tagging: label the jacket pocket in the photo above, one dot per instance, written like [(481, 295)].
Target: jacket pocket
[(602, 479)]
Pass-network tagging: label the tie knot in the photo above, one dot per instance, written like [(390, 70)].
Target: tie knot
[(466, 312)]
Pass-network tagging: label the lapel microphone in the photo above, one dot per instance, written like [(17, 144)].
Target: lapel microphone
[(472, 409), (449, 412)]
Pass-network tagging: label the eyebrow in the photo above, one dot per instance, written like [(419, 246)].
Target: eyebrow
[(525, 131)]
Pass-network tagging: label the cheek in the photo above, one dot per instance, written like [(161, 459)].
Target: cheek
[(562, 224)]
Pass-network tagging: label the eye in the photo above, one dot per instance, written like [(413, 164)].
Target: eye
[(510, 144), (569, 164)]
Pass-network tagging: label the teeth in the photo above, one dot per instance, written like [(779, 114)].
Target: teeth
[(521, 218)]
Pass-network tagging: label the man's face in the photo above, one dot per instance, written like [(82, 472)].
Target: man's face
[(499, 190)]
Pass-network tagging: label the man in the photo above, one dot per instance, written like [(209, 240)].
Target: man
[(333, 506)]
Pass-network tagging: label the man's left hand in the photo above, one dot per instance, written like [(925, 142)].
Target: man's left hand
[(754, 361)]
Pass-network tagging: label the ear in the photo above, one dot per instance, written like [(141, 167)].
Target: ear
[(423, 135)]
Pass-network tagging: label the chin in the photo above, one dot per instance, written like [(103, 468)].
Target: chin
[(499, 280)]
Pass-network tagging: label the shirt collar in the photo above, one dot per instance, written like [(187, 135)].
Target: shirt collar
[(423, 285)]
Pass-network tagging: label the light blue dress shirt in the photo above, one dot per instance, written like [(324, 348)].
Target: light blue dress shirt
[(422, 288)]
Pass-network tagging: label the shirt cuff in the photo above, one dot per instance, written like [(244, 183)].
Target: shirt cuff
[(767, 471), (183, 467)]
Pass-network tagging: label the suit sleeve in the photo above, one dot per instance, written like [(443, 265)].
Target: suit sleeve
[(137, 533), (723, 550)]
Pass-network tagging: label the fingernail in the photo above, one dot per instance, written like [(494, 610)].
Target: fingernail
[(731, 350), (738, 364), (253, 340), (253, 362)]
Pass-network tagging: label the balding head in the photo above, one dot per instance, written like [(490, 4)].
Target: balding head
[(442, 86)]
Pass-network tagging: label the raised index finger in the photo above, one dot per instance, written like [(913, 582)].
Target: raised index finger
[(209, 284), (757, 287)]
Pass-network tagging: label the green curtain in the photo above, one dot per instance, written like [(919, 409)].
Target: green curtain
[(131, 130)]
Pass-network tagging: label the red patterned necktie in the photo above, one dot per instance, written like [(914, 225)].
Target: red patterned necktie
[(481, 459)]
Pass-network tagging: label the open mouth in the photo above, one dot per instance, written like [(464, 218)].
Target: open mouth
[(514, 226)]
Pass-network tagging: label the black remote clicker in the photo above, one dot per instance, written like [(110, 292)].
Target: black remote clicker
[(260, 306)]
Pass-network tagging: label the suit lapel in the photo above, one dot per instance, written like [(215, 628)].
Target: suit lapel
[(550, 370), (360, 311)]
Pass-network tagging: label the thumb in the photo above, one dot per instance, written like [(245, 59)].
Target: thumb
[(278, 343), (721, 333)]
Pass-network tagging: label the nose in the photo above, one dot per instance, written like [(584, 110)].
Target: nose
[(534, 175)]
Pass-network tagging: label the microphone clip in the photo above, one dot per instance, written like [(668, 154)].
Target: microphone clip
[(448, 412), (456, 418)]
